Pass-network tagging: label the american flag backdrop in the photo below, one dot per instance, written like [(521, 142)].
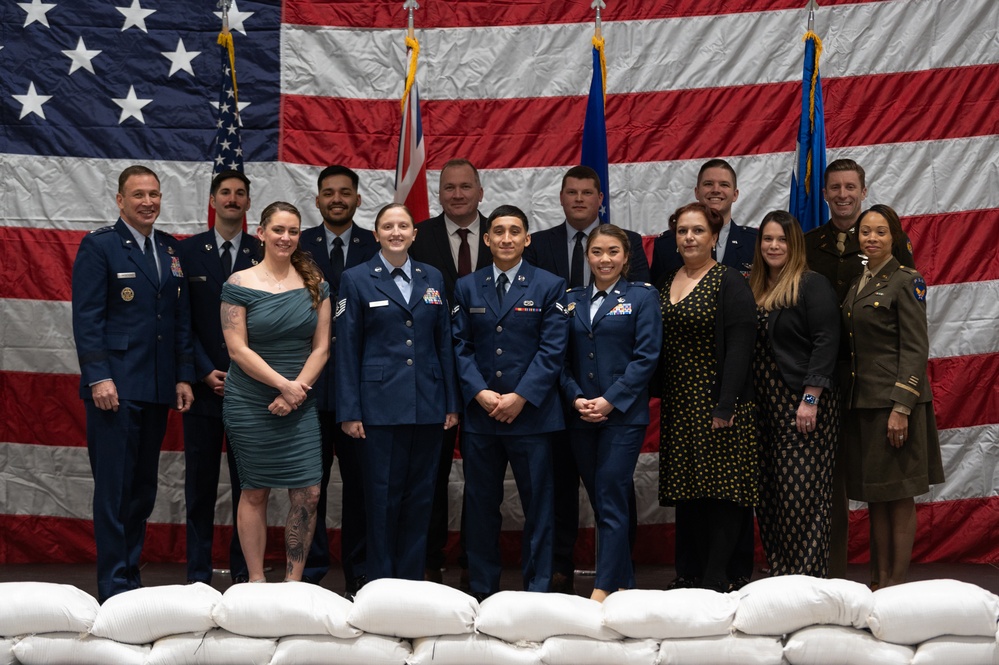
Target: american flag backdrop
[(88, 87)]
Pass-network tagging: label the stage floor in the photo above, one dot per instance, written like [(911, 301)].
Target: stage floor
[(83, 576)]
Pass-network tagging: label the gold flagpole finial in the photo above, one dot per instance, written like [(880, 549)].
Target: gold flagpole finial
[(411, 6)]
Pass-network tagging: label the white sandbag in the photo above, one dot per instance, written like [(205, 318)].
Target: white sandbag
[(835, 645), (7, 651), (952, 650), (472, 650), (283, 608), (779, 605), (584, 651), (42, 607), (215, 647), (77, 649), (324, 650), (516, 616), (919, 611), (142, 616), (411, 609), (676, 614), (734, 649)]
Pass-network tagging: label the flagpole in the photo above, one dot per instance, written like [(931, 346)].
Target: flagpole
[(598, 24), (811, 6), (411, 162)]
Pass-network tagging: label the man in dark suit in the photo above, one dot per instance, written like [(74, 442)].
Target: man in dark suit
[(208, 259), (130, 322), (453, 243), (717, 188), (561, 250), (833, 251), (511, 333), (336, 244)]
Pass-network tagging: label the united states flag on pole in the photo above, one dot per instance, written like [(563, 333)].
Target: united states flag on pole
[(503, 85), (228, 147), (411, 166)]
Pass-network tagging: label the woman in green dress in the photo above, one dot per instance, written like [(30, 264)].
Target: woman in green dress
[(276, 322)]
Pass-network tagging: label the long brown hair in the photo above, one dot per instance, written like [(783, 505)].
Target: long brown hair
[(771, 294), (301, 261)]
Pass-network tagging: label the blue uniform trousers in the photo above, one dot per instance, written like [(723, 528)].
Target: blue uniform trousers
[(485, 460), (203, 437), (606, 457), (400, 468), (124, 448)]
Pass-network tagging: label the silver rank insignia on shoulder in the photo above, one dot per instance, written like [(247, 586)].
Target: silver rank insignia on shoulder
[(341, 306), (560, 307), (454, 312)]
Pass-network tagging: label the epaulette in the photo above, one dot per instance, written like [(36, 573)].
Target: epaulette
[(575, 289), (907, 269), (164, 235), (103, 229), (645, 284)]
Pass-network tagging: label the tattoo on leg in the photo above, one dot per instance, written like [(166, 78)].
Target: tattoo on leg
[(298, 531)]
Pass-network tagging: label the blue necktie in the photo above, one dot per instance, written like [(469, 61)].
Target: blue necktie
[(151, 259)]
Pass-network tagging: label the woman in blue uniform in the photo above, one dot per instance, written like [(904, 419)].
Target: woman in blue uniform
[(615, 336), (396, 388)]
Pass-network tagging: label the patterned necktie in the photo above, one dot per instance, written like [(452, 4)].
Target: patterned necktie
[(227, 258), (576, 269), (464, 254), (501, 283), (151, 259)]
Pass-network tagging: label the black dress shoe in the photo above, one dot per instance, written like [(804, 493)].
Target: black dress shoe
[(562, 584), (684, 583)]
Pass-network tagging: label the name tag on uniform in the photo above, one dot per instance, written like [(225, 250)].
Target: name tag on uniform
[(197, 278), (126, 275), (378, 303), (476, 310)]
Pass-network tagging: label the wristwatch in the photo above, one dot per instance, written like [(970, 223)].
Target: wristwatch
[(810, 399)]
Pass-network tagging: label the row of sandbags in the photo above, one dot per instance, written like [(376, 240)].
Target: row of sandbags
[(793, 619)]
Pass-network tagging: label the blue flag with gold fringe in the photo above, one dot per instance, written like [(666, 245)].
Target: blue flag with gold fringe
[(807, 204), (594, 152)]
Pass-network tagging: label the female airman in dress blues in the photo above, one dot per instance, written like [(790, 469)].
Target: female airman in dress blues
[(396, 388), (615, 335)]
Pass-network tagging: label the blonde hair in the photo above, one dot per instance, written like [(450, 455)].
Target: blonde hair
[(784, 291)]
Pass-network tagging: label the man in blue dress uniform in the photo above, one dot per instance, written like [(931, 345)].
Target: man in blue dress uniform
[(130, 322), (337, 244), (511, 333), (208, 259)]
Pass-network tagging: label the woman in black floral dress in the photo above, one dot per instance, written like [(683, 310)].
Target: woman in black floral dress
[(708, 464), (798, 404)]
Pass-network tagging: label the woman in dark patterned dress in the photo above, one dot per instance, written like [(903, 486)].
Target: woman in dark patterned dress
[(797, 402), (708, 458)]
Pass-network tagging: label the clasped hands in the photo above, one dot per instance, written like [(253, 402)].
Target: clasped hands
[(593, 410), (504, 408), (293, 394)]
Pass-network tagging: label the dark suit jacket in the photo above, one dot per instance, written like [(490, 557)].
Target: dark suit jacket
[(130, 325), (362, 247), (805, 338), (614, 355), (200, 257), (887, 334), (517, 347), (549, 251), (395, 362), (738, 252), (825, 259), (433, 248)]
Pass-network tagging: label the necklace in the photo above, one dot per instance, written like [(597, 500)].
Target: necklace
[(278, 282)]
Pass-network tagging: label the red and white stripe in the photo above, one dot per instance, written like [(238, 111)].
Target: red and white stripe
[(909, 93), (411, 163)]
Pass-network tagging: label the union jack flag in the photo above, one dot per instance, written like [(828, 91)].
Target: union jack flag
[(411, 165)]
